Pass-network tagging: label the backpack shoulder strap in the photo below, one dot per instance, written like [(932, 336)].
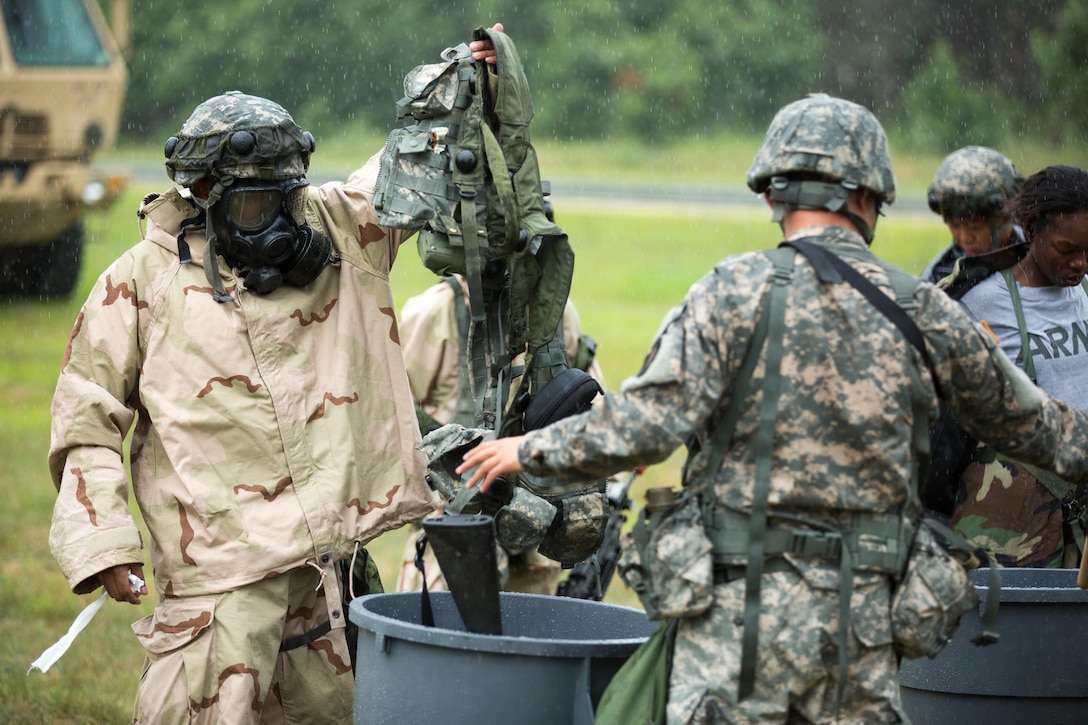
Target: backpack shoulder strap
[(762, 445), (832, 268), (723, 432), (1021, 323)]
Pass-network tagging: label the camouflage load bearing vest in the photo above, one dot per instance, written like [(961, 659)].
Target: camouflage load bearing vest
[(462, 171), (465, 144)]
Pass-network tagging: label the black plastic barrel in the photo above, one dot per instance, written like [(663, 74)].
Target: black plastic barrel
[(1036, 673), (550, 665)]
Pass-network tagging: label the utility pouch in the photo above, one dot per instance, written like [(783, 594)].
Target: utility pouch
[(667, 557), (577, 530), (935, 592)]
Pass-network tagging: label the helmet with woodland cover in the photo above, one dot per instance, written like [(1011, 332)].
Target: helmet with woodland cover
[(974, 182)]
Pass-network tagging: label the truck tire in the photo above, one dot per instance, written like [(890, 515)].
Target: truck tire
[(43, 271)]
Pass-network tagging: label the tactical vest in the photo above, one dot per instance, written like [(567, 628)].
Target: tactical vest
[(748, 544), (461, 170)]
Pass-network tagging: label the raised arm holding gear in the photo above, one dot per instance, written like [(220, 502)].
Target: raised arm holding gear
[(462, 170), (250, 347), (804, 512)]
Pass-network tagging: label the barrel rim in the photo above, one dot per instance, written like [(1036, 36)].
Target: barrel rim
[(390, 627)]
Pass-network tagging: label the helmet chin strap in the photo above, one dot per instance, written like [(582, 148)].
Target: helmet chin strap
[(211, 262), (867, 232), (817, 195)]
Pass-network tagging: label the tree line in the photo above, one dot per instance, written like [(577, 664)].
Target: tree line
[(939, 73)]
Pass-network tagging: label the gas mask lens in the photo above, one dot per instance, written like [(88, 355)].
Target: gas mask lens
[(253, 209)]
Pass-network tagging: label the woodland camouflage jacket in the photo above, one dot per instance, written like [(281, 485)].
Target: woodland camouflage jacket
[(267, 431)]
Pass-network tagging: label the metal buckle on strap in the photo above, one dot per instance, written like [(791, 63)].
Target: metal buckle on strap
[(725, 573)]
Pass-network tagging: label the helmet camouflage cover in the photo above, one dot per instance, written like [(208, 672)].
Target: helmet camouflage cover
[(974, 182), (828, 137), (238, 136)]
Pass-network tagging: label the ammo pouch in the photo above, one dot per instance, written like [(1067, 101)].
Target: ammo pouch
[(935, 592), (577, 529), (932, 592), (666, 557), (581, 508)]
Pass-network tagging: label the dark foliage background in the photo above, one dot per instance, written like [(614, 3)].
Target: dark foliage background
[(939, 73)]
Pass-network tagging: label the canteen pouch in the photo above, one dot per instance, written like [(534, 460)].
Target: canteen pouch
[(933, 595), (667, 560)]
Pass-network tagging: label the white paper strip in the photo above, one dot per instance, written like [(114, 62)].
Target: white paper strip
[(48, 658)]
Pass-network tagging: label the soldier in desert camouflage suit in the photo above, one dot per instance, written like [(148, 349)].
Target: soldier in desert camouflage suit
[(271, 419), (438, 367), (971, 190), (842, 443)]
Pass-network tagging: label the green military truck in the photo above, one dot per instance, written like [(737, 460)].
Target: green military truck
[(62, 88)]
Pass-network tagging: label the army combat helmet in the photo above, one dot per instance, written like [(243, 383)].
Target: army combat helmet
[(975, 182), (238, 136), (255, 158), (817, 151)]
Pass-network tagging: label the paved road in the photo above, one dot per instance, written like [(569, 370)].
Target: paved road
[(574, 192)]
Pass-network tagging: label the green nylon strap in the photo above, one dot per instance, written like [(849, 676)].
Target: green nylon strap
[(464, 412), (469, 180), (504, 187), (953, 542), (1058, 488), (1025, 345), (413, 209), (762, 449), (728, 422)]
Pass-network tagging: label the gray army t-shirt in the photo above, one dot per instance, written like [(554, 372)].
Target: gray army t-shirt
[(1057, 324)]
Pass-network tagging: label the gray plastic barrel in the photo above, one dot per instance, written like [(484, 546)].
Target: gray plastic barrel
[(1036, 673), (550, 665)]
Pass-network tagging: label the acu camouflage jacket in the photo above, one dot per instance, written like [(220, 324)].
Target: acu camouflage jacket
[(842, 437), (267, 431)]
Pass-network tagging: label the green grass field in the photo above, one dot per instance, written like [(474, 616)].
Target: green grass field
[(632, 265)]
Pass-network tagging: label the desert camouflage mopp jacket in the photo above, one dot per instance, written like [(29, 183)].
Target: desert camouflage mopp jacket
[(267, 431)]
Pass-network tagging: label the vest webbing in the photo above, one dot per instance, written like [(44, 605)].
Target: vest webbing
[(464, 412), (733, 533)]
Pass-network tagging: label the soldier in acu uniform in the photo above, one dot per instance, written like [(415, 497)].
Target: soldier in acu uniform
[(249, 345), (826, 436)]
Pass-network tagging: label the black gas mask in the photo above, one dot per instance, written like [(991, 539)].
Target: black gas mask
[(257, 233)]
